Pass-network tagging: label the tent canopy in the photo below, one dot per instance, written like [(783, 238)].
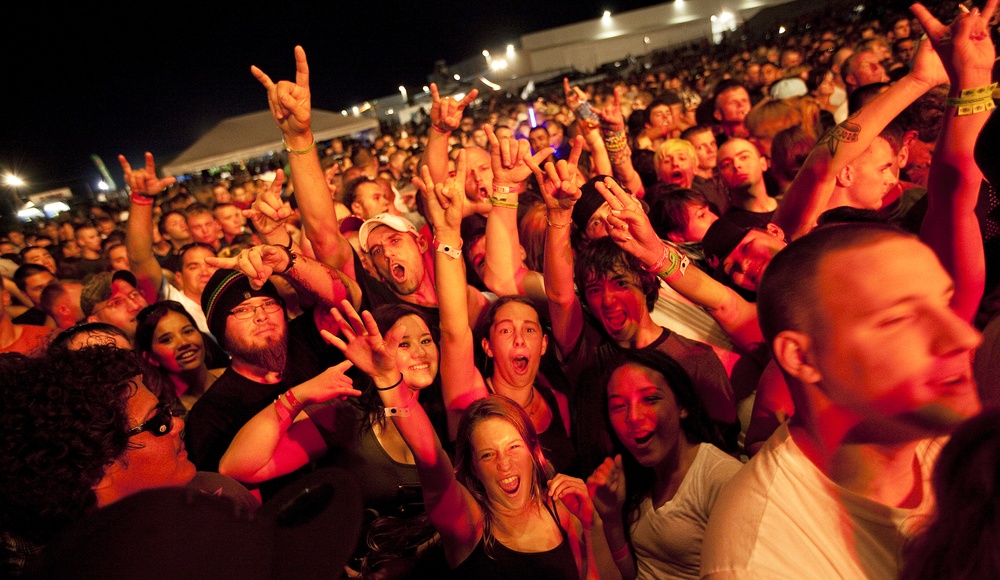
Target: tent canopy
[(254, 135)]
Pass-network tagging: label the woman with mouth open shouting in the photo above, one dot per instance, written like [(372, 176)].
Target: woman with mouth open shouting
[(515, 341), (654, 497), (499, 511)]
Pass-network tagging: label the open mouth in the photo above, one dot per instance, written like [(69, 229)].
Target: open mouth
[(398, 272), (420, 367), (511, 484), (614, 320), (644, 439), (483, 193), (520, 363)]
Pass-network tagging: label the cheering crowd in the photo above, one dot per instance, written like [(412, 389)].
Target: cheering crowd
[(729, 319)]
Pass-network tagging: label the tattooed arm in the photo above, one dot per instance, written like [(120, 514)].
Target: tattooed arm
[(827, 172)]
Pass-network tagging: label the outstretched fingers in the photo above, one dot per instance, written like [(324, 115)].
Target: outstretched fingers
[(301, 67)]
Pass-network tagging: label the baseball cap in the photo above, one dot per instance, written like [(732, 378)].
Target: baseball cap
[(727, 232), (97, 288), (400, 224)]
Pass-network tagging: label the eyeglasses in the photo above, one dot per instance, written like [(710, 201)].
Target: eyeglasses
[(245, 312), (159, 425), (118, 301)]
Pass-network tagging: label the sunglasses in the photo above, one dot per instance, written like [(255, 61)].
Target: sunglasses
[(159, 425)]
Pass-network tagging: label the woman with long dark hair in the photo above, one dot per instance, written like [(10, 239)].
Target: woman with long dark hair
[(655, 495)]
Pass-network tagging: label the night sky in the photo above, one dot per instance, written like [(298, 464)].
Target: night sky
[(157, 75)]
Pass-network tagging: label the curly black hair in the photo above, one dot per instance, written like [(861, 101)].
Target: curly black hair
[(64, 421)]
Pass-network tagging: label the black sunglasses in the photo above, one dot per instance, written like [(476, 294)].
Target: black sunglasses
[(159, 425)]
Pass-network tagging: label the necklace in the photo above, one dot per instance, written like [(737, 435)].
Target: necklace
[(531, 399)]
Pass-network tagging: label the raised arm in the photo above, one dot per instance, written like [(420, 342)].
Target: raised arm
[(144, 186), (950, 226), (809, 193), (616, 142), (446, 116), (560, 192), (291, 106), (505, 271), (281, 438), (328, 286), (630, 228), (589, 123), (461, 381), (450, 507)]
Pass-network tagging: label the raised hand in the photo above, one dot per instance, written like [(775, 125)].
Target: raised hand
[(258, 263), (144, 181), (611, 116), (965, 46), (606, 487), (363, 344), (558, 182), (572, 491), (329, 384), (445, 201), (268, 212), (290, 103), (509, 158), (446, 113), (627, 224)]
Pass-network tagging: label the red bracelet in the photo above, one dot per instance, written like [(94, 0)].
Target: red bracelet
[(440, 130), (292, 400), (284, 413), (139, 199)]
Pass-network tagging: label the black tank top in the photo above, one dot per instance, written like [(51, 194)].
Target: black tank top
[(502, 563), (556, 444)]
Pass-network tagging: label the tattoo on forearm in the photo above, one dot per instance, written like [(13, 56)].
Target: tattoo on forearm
[(846, 132)]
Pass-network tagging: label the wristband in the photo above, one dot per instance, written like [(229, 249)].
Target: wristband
[(974, 100), (502, 202), (140, 199), (440, 130), (284, 413), (659, 263), (298, 151), (393, 386), (621, 553), (291, 257), (290, 397), (449, 250), (515, 189), (401, 410), (676, 265)]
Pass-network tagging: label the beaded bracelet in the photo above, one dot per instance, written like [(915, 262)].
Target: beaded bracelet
[(555, 225)]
